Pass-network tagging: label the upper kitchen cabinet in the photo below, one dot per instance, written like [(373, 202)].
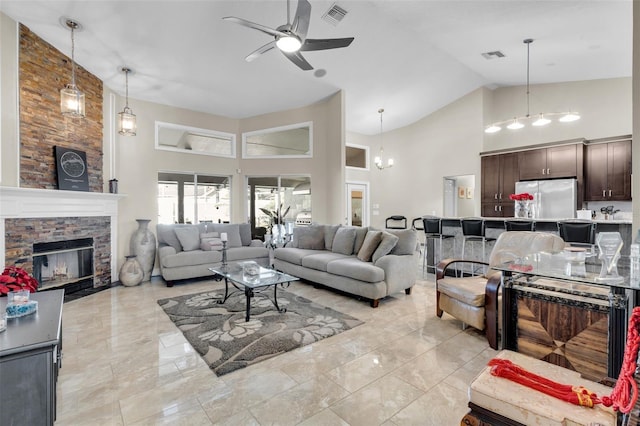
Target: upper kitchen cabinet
[(608, 171), (499, 176), (548, 163)]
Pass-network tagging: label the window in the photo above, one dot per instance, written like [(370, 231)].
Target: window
[(193, 198), (290, 194), (357, 156), (293, 141), (178, 138)]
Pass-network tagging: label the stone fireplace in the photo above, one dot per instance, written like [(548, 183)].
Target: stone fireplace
[(32, 217)]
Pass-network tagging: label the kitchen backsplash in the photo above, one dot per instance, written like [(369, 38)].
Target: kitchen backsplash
[(624, 207)]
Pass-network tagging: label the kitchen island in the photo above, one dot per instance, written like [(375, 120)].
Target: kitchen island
[(495, 227)]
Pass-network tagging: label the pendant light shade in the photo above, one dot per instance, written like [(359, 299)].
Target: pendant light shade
[(543, 118), (379, 159), (126, 118), (71, 98)]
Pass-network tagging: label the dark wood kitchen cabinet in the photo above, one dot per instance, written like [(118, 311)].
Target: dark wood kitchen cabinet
[(498, 181), (608, 171), (549, 163)]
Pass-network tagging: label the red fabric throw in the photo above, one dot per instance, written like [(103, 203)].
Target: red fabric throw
[(622, 398)]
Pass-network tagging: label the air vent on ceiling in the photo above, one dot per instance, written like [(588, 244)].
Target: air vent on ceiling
[(494, 54), (334, 15)]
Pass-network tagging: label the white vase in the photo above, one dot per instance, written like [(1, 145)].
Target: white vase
[(143, 246), (131, 273)]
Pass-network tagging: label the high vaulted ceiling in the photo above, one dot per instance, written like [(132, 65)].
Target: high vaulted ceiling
[(409, 57)]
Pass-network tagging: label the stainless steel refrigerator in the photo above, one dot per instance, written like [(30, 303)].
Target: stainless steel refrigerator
[(552, 199)]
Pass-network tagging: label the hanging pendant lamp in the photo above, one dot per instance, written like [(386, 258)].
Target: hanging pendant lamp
[(542, 118), (379, 160), (126, 118), (71, 98)]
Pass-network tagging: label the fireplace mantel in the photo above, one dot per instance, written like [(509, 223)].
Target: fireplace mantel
[(47, 203)]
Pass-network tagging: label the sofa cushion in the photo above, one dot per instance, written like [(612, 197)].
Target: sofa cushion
[(469, 290), (167, 235), (387, 244), (293, 255), (244, 253), (191, 258), (232, 230), (189, 238), (354, 268), (344, 240), (329, 235), (321, 260), (407, 241), (309, 237), (361, 234), (370, 244), (245, 233)]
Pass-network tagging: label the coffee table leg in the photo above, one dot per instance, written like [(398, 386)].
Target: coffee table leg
[(248, 294), (226, 291)]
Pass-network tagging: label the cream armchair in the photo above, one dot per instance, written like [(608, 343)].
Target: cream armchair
[(474, 300)]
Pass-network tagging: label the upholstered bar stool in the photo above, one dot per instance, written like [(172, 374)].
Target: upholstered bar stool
[(473, 231), (519, 225), (395, 222), (433, 231), (578, 232)]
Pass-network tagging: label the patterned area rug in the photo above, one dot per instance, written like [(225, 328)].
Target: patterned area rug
[(219, 333)]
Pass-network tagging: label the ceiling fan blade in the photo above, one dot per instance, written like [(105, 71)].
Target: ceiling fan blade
[(255, 26), (311, 44), (297, 59), (259, 51), (300, 24)]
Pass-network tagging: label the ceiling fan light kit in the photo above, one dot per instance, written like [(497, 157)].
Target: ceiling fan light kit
[(543, 119), (291, 38)]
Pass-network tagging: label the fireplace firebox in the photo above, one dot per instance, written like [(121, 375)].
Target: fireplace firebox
[(64, 264)]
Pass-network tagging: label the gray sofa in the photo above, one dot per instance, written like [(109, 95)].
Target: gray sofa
[(188, 251), (361, 261)]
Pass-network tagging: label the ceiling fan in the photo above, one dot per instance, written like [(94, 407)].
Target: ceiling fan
[(291, 38)]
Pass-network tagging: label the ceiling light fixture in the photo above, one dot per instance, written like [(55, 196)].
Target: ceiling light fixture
[(126, 118), (379, 160), (289, 44), (543, 118), (71, 98)]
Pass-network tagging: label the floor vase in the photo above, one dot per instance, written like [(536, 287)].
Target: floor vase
[(143, 246), (131, 273)]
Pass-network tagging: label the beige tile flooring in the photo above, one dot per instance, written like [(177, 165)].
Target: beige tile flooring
[(125, 363)]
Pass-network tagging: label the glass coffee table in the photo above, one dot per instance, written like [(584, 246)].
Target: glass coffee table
[(256, 282)]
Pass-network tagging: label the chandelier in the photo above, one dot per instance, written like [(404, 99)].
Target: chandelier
[(379, 159), (71, 98), (541, 119), (126, 118)]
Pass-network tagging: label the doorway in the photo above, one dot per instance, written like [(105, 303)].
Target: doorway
[(357, 204)]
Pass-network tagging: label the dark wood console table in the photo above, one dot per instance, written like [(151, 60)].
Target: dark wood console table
[(30, 351), (556, 310)]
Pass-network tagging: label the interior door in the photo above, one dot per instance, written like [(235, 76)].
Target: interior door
[(357, 204)]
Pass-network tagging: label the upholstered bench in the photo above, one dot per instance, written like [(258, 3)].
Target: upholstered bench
[(496, 400)]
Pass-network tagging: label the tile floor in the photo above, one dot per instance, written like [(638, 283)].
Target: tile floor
[(125, 363)]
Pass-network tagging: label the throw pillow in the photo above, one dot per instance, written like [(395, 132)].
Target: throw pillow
[(329, 235), (245, 233), (233, 233), (189, 238), (167, 235), (210, 241), (309, 237), (408, 240), (387, 244), (361, 233), (343, 241), (369, 246)]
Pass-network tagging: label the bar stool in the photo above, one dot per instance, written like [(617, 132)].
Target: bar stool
[(473, 231), (433, 231), (395, 222), (578, 232), (519, 225), (417, 225)]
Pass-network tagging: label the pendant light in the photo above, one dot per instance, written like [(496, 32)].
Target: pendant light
[(71, 98), (379, 160), (126, 118), (542, 118)]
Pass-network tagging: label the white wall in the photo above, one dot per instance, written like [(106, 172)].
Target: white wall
[(9, 163)]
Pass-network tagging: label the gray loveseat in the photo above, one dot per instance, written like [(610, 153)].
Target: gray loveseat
[(188, 251), (361, 261)]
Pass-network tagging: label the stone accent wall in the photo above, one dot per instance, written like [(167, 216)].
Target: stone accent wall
[(21, 234), (44, 70)]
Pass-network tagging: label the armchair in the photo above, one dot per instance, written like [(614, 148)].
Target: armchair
[(474, 299)]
